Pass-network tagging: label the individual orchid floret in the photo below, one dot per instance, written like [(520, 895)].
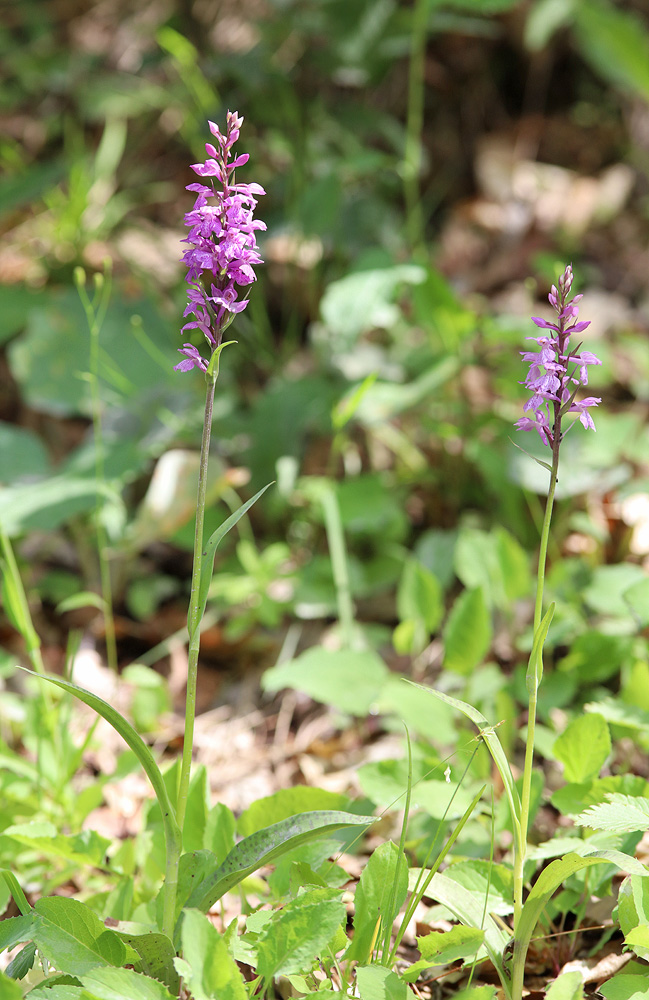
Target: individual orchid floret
[(556, 371), (222, 252)]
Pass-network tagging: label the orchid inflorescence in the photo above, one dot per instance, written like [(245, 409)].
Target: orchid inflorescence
[(222, 250), (556, 372)]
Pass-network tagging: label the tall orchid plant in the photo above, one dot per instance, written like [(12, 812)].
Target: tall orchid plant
[(221, 257)]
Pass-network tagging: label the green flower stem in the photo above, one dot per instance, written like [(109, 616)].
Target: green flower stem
[(95, 311), (411, 167), (533, 682), (194, 615)]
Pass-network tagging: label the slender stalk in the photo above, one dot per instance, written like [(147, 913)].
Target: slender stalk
[(194, 614), (518, 970), (95, 311), (411, 167)]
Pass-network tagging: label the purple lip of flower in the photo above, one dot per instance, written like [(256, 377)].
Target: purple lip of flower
[(556, 372), (222, 251)]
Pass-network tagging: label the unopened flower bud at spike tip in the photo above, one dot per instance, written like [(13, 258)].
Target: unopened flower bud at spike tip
[(556, 371), (222, 246)]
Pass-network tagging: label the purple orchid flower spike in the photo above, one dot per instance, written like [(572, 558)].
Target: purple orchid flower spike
[(556, 372), (222, 252)]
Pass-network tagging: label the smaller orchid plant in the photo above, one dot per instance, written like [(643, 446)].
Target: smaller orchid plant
[(556, 374)]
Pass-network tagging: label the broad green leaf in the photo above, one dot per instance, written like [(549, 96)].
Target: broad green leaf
[(468, 908), (361, 301), (431, 719), (23, 454), (195, 868), (54, 384), (637, 598), (434, 797), (467, 633), (556, 847), (124, 984), (384, 880), (477, 564), (375, 982), (207, 967), (635, 686), (9, 988), (385, 781), (219, 831), (53, 500), (16, 930), (490, 737), (583, 747), (616, 43), (267, 845), (436, 549), (349, 680), (209, 552), (299, 933), (21, 963), (595, 656), (58, 987), (568, 986), (633, 913), (367, 507), (618, 714), (626, 986), (156, 954), (17, 300), (86, 848), (477, 993), (442, 947), (514, 565), (638, 940), (621, 814), (494, 561), (606, 592), (480, 877), (196, 811), (72, 937), (285, 803), (419, 595), (552, 877)]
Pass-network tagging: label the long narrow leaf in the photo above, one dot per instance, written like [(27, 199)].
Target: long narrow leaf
[(488, 734), (265, 846), (469, 910), (554, 876), (15, 888), (134, 741), (535, 663), (209, 551)]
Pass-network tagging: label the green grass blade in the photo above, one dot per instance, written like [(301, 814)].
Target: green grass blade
[(128, 734), (490, 737)]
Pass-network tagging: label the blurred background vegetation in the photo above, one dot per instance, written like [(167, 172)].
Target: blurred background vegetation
[(430, 167)]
